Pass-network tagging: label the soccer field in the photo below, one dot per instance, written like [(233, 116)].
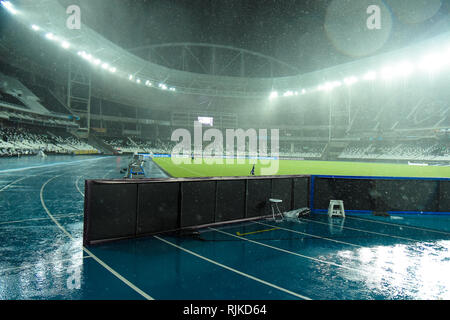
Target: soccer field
[(303, 167)]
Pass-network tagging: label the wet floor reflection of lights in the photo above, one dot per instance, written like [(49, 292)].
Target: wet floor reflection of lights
[(404, 271)]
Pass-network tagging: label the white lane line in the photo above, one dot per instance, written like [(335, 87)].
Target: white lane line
[(23, 178), (290, 252), (33, 265), (78, 179), (308, 234), (104, 176), (15, 181), (364, 231), (78, 188), (234, 270), (399, 226), (53, 164), (38, 219), (103, 264)]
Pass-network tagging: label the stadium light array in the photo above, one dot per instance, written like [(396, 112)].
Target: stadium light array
[(350, 80), (371, 75), (404, 69), (50, 36), (65, 45), (433, 62), (83, 54), (387, 73), (8, 6)]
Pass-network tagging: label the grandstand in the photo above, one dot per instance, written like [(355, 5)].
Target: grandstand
[(84, 110)]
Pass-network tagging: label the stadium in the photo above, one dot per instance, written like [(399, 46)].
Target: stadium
[(155, 150)]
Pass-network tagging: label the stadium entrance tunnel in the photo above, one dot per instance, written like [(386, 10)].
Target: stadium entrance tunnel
[(125, 209)]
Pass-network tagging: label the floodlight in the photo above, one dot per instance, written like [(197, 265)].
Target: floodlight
[(371, 75), (113, 69), (65, 45), (8, 6), (350, 80), (35, 27), (105, 65), (50, 36), (138, 81), (130, 77), (273, 95), (432, 62), (387, 73)]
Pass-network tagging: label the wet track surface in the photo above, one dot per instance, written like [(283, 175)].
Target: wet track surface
[(42, 256)]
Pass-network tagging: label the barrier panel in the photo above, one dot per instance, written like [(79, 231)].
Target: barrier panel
[(123, 209), (384, 194)]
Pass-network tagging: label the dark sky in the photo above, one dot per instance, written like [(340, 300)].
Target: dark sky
[(290, 30)]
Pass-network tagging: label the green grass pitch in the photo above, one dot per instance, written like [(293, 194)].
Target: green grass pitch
[(302, 167)]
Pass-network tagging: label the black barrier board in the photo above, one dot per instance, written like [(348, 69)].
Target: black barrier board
[(382, 194), (230, 200), (407, 195), (159, 207), (115, 216), (356, 193), (122, 209), (258, 194), (282, 190), (444, 196), (197, 203), (301, 193)]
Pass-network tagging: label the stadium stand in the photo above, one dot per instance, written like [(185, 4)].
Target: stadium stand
[(414, 150), (28, 140)]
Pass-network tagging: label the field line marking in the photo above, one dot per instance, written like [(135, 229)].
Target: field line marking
[(53, 164), (234, 270), (253, 232), (33, 265), (76, 185), (37, 219), (365, 231), (103, 264), (15, 181), (311, 235), (398, 225), (289, 252)]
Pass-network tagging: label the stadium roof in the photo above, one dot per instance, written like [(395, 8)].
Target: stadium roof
[(48, 18)]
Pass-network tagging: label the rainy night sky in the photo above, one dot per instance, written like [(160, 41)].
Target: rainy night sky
[(292, 31), (308, 34)]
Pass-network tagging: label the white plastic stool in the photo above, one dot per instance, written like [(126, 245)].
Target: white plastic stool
[(340, 212), (276, 202)]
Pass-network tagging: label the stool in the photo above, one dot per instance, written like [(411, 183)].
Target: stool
[(276, 202), (340, 212)]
